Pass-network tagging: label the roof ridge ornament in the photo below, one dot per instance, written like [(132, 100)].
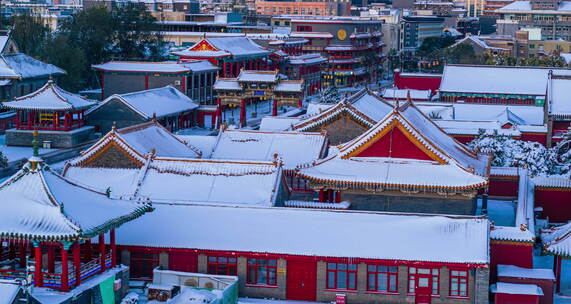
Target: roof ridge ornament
[(35, 160)]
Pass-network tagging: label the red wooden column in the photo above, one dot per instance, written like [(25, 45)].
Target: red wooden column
[(321, 195), (64, 268), (299, 103), (77, 262), (51, 262), (22, 254), (223, 68), (557, 271), (275, 107), (88, 246), (113, 249), (242, 113), (231, 69), (38, 278), (337, 196), (102, 251)]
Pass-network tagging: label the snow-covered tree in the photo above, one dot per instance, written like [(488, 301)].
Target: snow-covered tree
[(508, 152), (330, 95), (562, 151)]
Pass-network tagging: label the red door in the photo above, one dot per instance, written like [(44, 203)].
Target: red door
[(301, 280), (423, 290)]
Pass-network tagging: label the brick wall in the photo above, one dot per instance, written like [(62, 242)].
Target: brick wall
[(403, 203), (59, 139)]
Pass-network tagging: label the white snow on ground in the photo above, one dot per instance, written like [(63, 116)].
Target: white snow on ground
[(17, 153), (501, 212)]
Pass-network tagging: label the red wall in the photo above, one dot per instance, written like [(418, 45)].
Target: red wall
[(504, 298), (546, 286), (503, 187), (509, 254), (394, 144), (537, 137), (556, 203), (465, 139), (418, 83)]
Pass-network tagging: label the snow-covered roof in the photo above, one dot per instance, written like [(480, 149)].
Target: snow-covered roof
[(313, 233), (552, 181), (325, 35), (295, 148), (495, 80), (227, 84), (392, 173), (159, 102), (50, 97), (518, 289), (564, 6), (204, 143), (156, 67), (187, 181), (38, 205), (504, 171), (452, 165), (481, 43), (529, 273), (557, 240), (225, 46), (293, 86), (531, 115), (364, 106), (559, 94), (394, 93), (138, 141), (23, 66), (311, 58), (512, 234), (258, 76), (277, 123)]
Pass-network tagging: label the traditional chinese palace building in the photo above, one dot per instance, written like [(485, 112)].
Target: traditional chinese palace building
[(353, 47), (448, 175), (251, 87), (194, 78), (57, 114), (547, 88), (169, 106), (306, 261), (230, 54), (45, 215)]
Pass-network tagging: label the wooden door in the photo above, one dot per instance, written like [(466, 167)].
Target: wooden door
[(301, 281), (423, 289)]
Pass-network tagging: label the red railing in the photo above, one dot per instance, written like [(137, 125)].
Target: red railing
[(53, 280), (49, 126)]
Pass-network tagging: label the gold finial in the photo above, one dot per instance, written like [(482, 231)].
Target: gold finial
[(114, 126), (36, 143), (154, 117)]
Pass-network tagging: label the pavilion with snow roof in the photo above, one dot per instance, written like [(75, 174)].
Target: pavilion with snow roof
[(56, 113), (373, 171), (231, 54), (253, 86), (43, 212)]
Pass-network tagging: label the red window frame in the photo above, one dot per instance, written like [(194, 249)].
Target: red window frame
[(459, 277), (222, 265), (341, 276), (434, 274), (374, 272), (262, 272)]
